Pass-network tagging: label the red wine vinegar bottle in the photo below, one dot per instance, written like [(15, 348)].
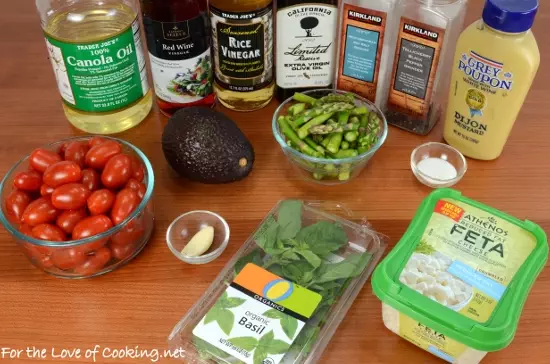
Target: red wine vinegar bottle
[(178, 37)]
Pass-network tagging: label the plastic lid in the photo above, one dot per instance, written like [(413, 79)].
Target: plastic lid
[(510, 16), (499, 330)]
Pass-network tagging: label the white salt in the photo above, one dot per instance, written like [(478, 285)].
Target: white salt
[(437, 168)]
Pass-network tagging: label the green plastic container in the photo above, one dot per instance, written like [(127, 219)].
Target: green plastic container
[(456, 283)]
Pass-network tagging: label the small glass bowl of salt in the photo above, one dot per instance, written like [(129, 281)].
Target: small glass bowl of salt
[(438, 165)]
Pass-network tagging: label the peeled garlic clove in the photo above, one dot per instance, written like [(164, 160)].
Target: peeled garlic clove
[(199, 243)]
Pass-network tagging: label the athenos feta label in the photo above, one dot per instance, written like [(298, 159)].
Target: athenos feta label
[(466, 259), (258, 317)]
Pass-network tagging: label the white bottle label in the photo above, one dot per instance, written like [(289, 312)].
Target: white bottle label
[(306, 45)]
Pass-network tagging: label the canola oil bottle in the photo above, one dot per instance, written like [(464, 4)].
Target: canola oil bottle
[(495, 63), (96, 51)]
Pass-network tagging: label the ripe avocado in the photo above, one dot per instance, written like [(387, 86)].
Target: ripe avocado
[(206, 146)]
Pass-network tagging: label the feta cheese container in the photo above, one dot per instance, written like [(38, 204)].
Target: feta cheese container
[(456, 282)]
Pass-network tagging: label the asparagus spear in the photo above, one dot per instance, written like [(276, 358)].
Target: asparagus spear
[(327, 129), (344, 145), (304, 129), (325, 141), (343, 117), (300, 97), (360, 110), (309, 141), (346, 154), (348, 98), (351, 136), (334, 144), (291, 135), (296, 109)]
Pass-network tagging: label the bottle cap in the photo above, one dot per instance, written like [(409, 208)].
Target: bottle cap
[(510, 16)]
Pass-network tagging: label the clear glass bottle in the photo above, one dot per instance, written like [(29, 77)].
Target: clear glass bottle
[(97, 56), (425, 33), (306, 45), (178, 39), (242, 33)]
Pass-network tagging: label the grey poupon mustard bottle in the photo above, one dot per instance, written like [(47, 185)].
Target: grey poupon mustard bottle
[(96, 51)]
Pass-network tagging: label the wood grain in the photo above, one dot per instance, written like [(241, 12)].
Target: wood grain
[(139, 304)]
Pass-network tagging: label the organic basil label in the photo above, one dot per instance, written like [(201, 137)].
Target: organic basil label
[(257, 318), (243, 48)]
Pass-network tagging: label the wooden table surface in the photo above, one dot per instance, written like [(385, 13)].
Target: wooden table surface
[(139, 304)]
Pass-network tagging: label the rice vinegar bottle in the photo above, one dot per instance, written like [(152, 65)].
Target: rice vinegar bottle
[(96, 52)]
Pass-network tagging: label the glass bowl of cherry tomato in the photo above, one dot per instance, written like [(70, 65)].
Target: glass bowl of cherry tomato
[(80, 207)]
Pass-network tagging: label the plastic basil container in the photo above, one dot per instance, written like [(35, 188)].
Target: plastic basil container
[(274, 302), (482, 265)]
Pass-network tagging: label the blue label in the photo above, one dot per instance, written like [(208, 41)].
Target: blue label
[(475, 279), (432, 349), (360, 53)]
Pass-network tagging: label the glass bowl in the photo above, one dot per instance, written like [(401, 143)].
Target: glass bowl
[(94, 255), (324, 170), (438, 176), (184, 227)]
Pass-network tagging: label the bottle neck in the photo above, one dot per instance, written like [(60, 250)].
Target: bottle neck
[(483, 26)]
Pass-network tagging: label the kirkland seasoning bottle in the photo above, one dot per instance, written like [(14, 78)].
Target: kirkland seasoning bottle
[(96, 52), (242, 33), (365, 50), (306, 45), (426, 33), (178, 38)]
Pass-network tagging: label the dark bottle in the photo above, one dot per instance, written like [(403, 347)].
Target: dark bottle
[(178, 38), (306, 45)]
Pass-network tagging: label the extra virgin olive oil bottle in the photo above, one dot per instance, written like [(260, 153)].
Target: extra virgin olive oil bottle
[(96, 52), (178, 38), (242, 33), (306, 45)]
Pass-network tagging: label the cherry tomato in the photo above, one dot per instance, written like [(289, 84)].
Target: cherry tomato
[(41, 159), (40, 211), (101, 201), (25, 230), (67, 258), (46, 190), (141, 191), (122, 252), (28, 181), (92, 225), (62, 173), (117, 171), (94, 263), (76, 152), (133, 184), (48, 232), (138, 171), (40, 259), (91, 179), (126, 201), (71, 196), (16, 203), (98, 155), (68, 219), (61, 150), (129, 234), (96, 141)]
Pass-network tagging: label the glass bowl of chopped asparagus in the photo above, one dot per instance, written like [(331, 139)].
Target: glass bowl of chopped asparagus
[(329, 135)]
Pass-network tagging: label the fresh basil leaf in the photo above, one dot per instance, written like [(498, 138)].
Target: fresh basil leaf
[(276, 269), (289, 218), (247, 343), (289, 325), (253, 257), (350, 267), (307, 277), (259, 356), (292, 273), (225, 320), (290, 255), (274, 314), (323, 237), (266, 236), (311, 258)]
